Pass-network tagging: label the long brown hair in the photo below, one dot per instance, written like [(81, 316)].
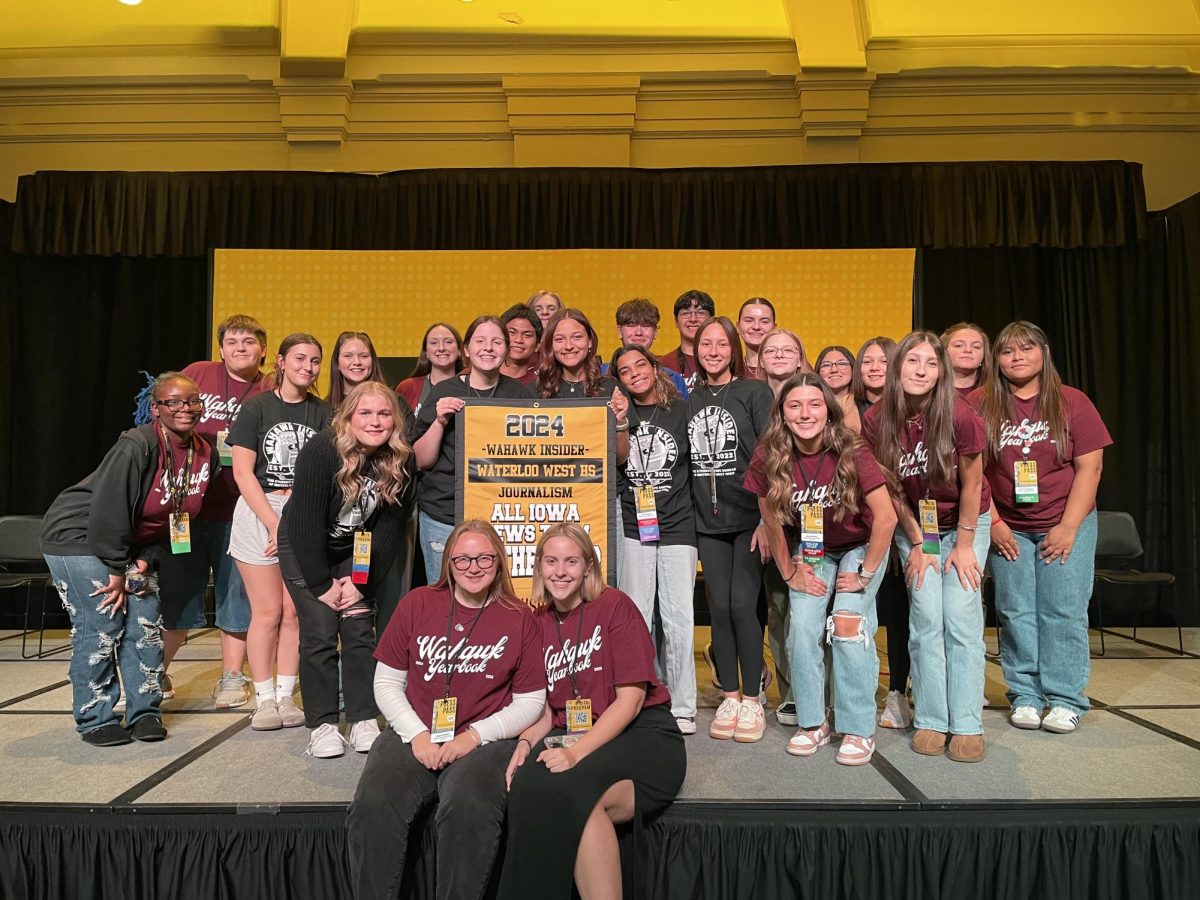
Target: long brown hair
[(337, 382), (593, 578), (389, 461), (781, 447), (997, 406), (424, 366), (502, 585), (665, 392), (737, 363), (894, 409), (981, 374), (857, 386), (550, 369)]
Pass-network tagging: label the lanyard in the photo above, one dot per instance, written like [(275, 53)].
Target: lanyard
[(578, 637), (809, 482), (241, 399), (643, 451), (710, 435), (304, 400), (177, 490), (463, 643)]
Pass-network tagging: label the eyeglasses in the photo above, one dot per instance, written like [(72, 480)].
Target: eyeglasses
[(176, 405), (827, 365), (485, 561), (781, 352), (694, 314)]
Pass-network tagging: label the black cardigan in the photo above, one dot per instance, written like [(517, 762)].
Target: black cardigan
[(313, 509)]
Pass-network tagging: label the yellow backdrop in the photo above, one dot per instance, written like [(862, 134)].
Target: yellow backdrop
[(826, 296)]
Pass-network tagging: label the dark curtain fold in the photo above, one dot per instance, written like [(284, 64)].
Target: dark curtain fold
[(1052, 204), (1123, 325)]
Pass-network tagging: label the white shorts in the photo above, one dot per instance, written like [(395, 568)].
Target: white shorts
[(248, 539)]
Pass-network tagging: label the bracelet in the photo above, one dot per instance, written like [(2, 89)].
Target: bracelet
[(524, 741), (623, 426), (865, 574), (968, 527), (788, 580)]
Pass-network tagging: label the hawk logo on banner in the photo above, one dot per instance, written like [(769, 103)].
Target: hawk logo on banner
[(524, 465)]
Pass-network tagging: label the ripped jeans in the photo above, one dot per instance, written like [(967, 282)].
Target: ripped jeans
[(855, 662), (131, 639)]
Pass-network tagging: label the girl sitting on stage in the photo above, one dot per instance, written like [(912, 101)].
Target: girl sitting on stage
[(830, 520), (612, 751), (460, 674)]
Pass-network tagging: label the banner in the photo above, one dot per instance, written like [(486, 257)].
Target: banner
[(525, 465)]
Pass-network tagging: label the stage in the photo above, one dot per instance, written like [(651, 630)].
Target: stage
[(219, 810)]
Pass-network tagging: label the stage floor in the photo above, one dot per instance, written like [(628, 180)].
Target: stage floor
[(1141, 743)]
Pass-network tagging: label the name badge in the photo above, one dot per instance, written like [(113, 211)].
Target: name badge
[(181, 532), (579, 716), (444, 714), (224, 451), (812, 533), (647, 514), (1025, 478), (931, 539), (361, 567)]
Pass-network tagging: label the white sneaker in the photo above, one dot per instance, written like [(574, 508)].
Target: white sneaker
[(363, 734), (1060, 720), (724, 723), (785, 714), (751, 722), (896, 713), (1026, 717), (686, 724), (326, 742)]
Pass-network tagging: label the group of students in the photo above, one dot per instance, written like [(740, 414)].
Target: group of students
[(884, 474)]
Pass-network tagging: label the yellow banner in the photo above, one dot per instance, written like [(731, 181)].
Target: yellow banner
[(526, 465)]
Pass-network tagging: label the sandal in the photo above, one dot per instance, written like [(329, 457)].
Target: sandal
[(807, 741), (855, 750)]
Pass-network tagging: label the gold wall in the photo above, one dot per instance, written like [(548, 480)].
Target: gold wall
[(826, 296), (370, 85)]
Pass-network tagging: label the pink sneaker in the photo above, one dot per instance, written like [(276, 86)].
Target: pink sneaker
[(751, 722), (725, 723)]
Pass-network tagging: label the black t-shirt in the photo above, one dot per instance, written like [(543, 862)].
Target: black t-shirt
[(277, 431), (575, 391), (435, 495), (724, 425), (658, 455)]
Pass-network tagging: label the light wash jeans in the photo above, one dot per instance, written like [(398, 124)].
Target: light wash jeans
[(672, 571), (1043, 611), (434, 535), (945, 641), (855, 662), (131, 639)]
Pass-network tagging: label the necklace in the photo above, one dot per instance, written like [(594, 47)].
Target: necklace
[(479, 393), (571, 385)]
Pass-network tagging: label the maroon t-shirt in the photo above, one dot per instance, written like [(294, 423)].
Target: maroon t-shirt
[(613, 648), (493, 657), (153, 523), (223, 397), (812, 482), (969, 439), (683, 363), (1085, 433)]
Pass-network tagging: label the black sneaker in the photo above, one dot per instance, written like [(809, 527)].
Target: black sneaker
[(148, 728), (110, 735)]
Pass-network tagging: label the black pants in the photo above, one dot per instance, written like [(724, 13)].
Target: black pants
[(393, 792), (732, 578), (320, 629), (892, 603)]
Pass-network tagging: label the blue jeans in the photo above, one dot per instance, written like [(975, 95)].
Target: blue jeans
[(945, 641), (131, 639), (433, 545), (855, 662), (184, 580), (1043, 612)]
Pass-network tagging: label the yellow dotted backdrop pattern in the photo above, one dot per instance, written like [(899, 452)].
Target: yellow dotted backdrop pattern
[(826, 296)]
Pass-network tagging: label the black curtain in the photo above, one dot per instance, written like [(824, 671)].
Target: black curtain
[(1123, 324)]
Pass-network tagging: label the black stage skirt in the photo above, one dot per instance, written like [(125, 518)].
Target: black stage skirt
[(547, 812)]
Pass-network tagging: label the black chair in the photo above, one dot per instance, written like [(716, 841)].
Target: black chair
[(22, 566), (1117, 541)]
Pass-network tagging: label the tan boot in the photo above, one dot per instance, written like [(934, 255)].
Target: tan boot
[(966, 748), (929, 742)]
